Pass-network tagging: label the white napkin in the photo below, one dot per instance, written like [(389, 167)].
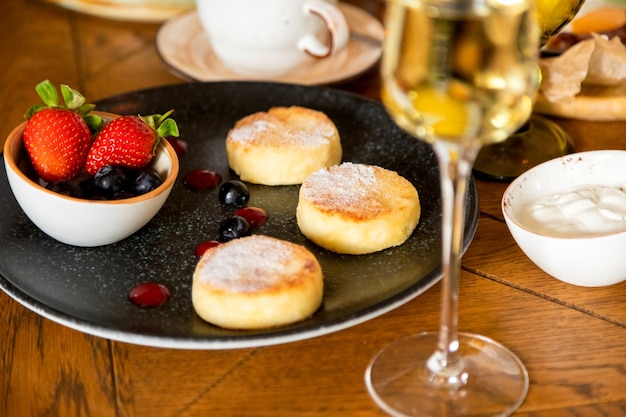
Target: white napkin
[(595, 61)]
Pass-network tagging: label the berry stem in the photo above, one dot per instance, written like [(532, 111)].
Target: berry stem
[(162, 124), (73, 100), (48, 93)]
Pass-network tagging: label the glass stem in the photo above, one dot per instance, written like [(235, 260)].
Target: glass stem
[(446, 366)]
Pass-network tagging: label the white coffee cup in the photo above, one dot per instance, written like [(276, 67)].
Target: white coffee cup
[(268, 38)]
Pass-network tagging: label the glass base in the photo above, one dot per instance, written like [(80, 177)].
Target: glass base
[(398, 379), (539, 140)]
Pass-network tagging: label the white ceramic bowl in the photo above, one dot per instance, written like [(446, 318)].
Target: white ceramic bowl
[(589, 261), (81, 222)]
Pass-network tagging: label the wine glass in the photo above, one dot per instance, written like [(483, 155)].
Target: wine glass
[(458, 74), (540, 139)]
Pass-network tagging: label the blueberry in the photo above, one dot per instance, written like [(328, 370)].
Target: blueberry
[(121, 195), (109, 180), (234, 193), (68, 188), (88, 188), (146, 181), (234, 228)]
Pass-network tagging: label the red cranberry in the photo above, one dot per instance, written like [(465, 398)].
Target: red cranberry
[(149, 294), (201, 179), (180, 146), (204, 246), (254, 215)]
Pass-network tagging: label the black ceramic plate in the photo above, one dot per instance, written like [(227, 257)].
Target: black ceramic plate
[(86, 288)]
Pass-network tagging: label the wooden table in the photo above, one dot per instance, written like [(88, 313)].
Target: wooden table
[(572, 340)]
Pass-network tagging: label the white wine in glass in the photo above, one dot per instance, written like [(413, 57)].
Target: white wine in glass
[(458, 74)]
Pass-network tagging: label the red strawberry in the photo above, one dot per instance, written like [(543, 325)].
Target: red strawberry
[(129, 141), (57, 138)]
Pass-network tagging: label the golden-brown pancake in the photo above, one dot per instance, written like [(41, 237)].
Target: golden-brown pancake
[(357, 209), (282, 146), (256, 282)]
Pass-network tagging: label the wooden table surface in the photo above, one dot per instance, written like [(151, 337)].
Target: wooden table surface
[(572, 339)]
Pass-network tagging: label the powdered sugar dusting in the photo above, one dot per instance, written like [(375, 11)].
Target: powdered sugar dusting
[(247, 264), (303, 128), (350, 188), (247, 132)]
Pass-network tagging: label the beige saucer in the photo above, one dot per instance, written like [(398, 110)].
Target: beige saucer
[(147, 11), (183, 46)]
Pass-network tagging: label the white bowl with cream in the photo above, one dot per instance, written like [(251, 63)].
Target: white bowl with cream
[(568, 215)]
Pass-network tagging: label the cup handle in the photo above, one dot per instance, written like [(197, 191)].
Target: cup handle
[(335, 23)]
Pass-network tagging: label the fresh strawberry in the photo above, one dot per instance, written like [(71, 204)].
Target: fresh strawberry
[(56, 137), (129, 141)]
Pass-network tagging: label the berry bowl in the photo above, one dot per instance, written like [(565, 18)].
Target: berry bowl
[(568, 215), (83, 222)]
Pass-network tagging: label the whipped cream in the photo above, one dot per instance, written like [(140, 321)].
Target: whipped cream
[(585, 211)]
